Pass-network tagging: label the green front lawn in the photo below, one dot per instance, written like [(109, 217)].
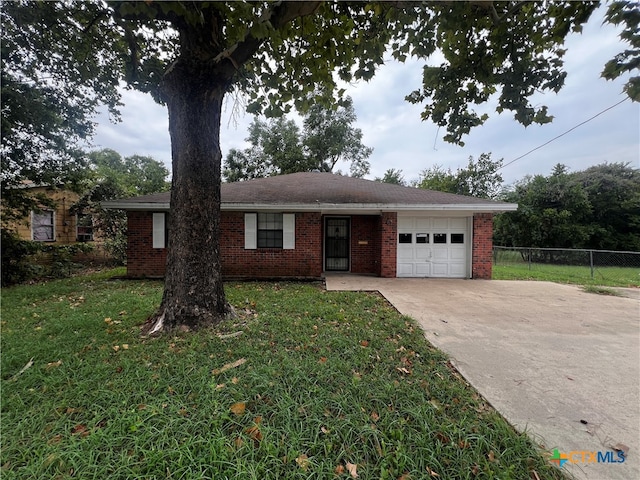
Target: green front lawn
[(304, 384)]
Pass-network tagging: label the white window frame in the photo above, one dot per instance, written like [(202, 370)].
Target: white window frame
[(288, 231), (53, 225)]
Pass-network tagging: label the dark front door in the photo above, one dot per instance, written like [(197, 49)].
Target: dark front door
[(336, 244)]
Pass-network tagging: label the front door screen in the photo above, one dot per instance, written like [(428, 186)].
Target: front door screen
[(337, 244)]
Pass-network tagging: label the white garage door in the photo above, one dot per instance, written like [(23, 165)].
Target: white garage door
[(433, 247)]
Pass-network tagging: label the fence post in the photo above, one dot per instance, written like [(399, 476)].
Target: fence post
[(529, 259), (591, 262)]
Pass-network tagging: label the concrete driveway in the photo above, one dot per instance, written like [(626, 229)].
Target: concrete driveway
[(562, 364)]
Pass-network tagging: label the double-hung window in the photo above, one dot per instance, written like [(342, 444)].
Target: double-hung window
[(269, 230), (84, 227), (42, 226)]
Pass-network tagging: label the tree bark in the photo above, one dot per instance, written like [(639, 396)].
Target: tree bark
[(193, 291)]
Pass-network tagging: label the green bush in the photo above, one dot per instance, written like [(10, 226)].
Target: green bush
[(24, 260), (16, 267)]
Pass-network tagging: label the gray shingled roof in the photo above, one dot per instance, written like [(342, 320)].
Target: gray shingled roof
[(315, 188)]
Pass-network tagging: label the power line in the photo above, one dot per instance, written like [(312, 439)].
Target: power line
[(563, 134)]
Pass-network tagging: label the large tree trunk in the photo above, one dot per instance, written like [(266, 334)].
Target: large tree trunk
[(193, 291)]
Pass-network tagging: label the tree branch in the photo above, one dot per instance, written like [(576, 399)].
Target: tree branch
[(278, 15)]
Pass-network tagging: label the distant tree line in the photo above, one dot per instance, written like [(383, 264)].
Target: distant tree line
[(596, 208)]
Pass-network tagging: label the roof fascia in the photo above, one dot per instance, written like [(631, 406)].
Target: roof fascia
[(328, 207)]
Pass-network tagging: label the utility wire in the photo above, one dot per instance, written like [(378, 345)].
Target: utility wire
[(563, 134)]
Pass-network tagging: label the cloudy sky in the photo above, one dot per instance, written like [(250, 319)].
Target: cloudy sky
[(402, 141)]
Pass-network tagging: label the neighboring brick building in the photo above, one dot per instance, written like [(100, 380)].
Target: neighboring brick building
[(306, 224)]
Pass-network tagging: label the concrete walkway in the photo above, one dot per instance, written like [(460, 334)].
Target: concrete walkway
[(562, 364)]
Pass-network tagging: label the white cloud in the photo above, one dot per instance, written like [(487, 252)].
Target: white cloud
[(402, 140)]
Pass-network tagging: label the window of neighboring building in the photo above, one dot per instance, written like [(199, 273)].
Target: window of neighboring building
[(84, 227), (42, 226), (270, 229)]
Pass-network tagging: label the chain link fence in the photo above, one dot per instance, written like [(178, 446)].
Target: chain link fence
[(600, 267)]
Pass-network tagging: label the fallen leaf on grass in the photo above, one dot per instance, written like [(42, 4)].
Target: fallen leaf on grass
[(238, 408), (404, 476), (54, 364), (352, 468), (229, 335), (491, 456), (403, 370), (303, 462), (229, 366), (81, 430), (23, 369), (339, 469), (254, 434), (432, 473), (55, 440), (364, 343)]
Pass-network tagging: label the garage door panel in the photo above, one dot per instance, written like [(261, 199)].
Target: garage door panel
[(422, 254), (423, 269), (442, 223), (405, 253), (440, 254), (457, 270), (406, 223), (433, 247), (458, 223), (439, 269), (423, 223), (405, 270)]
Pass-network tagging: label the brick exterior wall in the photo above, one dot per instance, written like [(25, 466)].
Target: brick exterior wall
[(388, 244), (373, 248), (365, 244), (142, 259), (482, 253), (303, 261)]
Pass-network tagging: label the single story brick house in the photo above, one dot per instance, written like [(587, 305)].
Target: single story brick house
[(304, 225)]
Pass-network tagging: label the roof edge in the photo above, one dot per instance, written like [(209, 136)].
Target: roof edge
[(310, 207)]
